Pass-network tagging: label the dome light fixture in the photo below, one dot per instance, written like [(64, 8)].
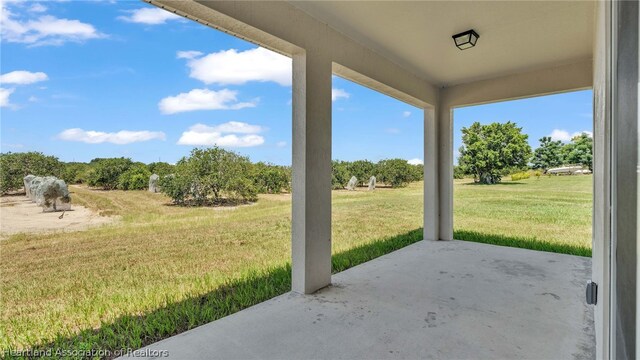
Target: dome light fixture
[(466, 39)]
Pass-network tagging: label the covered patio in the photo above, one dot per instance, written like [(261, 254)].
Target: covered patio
[(430, 300), (442, 298)]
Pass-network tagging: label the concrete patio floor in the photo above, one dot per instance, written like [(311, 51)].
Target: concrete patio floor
[(440, 300)]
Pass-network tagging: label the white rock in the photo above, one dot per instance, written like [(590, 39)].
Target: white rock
[(352, 183), (372, 183), (153, 183)]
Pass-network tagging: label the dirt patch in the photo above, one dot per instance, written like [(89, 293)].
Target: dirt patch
[(19, 215)]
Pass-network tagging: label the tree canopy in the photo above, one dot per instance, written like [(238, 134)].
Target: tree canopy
[(15, 166), (212, 175), (548, 155), (579, 151), (489, 149)]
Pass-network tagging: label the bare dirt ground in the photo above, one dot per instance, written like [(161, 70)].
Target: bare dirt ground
[(19, 215)]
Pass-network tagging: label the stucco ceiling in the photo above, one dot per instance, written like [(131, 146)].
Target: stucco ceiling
[(515, 36)]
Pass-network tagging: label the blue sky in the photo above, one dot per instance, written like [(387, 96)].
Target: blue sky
[(81, 80)]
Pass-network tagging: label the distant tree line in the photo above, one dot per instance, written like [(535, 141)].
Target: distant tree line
[(124, 174), (492, 151), (211, 175), (392, 172)]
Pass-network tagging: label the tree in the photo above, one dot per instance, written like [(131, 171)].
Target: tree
[(76, 172), (15, 166), (339, 174), (579, 151), (548, 155), (161, 168), (106, 172), (135, 178), (417, 172), (271, 179), (362, 170), (489, 149), (211, 175), (395, 172), (458, 173)]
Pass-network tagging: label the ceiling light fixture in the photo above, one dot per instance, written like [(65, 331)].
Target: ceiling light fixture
[(466, 39)]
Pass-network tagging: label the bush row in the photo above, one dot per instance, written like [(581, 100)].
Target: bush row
[(206, 175), (392, 172), (104, 173)]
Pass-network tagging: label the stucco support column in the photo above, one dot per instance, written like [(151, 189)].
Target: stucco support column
[(431, 198), (311, 212), (445, 171), (625, 184)]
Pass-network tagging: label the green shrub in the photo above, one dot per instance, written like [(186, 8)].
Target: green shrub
[(361, 169), (417, 172), (161, 168), (395, 172), (458, 173), (210, 176), (15, 166), (339, 174), (520, 175), (76, 173), (271, 179), (537, 174), (106, 172), (177, 188), (135, 178)]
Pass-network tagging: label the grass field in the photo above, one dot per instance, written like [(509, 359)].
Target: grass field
[(163, 269), (553, 212)]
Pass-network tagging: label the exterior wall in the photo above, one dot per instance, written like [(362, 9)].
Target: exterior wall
[(601, 241), (431, 191), (625, 152), (445, 171), (311, 205), (557, 79)]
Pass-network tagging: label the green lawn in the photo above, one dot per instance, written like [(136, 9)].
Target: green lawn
[(164, 269), (553, 211)]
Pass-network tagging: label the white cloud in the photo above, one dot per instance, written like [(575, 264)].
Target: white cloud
[(237, 127), (406, 113), (281, 144), (37, 7), (565, 136), (416, 161), (200, 134), (392, 130), (121, 137), (149, 16), (188, 54), (239, 67), (337, 94), (43, 30), (203, 99), (22, 77), (4, 97), (33, 99)]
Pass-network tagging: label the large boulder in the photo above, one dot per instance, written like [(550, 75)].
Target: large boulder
[(52, 194), (27, 184), (153, 183)]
